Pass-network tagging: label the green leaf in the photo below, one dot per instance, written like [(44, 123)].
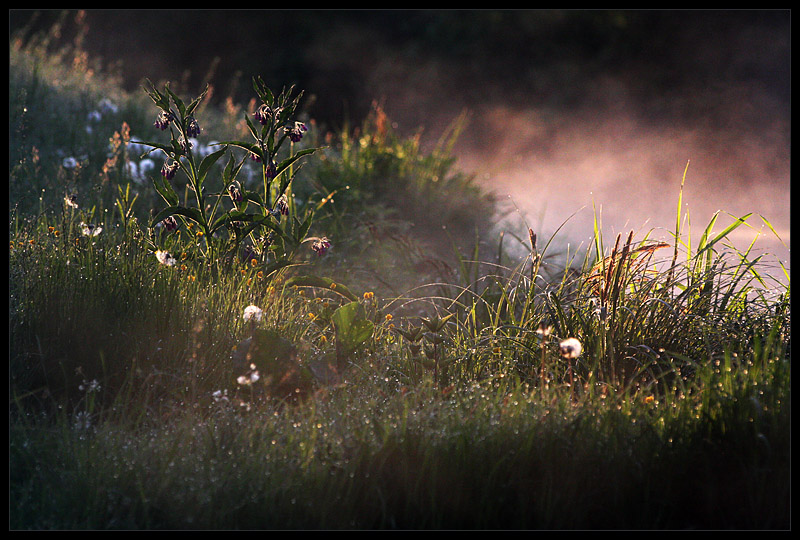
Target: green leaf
[(164, 148), (436, 323), (351, 326), (191, 213), (288, 161), (193, 105), (207, 163), (238, 215), (321, 282), (178, 102), (164, 188)]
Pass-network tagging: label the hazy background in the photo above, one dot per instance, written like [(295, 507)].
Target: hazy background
[(567, 108)]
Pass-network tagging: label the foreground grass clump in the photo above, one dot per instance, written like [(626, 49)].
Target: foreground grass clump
[(488, 456)]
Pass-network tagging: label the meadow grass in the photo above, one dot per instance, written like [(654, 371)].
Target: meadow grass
[(141, 397)]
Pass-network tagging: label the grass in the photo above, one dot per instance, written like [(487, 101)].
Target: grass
[(384, 398)]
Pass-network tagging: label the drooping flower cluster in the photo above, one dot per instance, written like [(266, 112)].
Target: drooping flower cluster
[(235, 194), (163, 120), (282, 205), (321, 246), (266, 114), (296, 133), (170, 223), (168, 170), (192, 127)]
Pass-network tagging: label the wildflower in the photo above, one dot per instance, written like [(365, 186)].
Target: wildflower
[(71, 200), (253, 312), (296, 133), (235, 194), (192, 127), (69, 163), (168, 170), (165, 258), (543, 330), (255, 157), (272, 170), (250, 378), (321, 246), (82, 421), (184, 143), (89, 387), (570, 348), (265, 114), (649, 399), (368, 295), (90, 230), (220, 395), (282, 205), (170, 223), (163, 120), (389, 317)]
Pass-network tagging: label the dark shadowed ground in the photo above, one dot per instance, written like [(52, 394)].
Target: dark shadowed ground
[(568, 108)]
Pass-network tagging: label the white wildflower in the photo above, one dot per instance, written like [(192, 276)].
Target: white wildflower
[(90, 230), (165, 258)]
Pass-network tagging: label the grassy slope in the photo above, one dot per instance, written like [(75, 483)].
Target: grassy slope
[(701, 440)]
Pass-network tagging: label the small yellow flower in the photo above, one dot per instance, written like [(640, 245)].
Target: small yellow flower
[(51, 229), (253, 262), (249, 281), (199, 233), (368, 295), (260, 275), (31, 241), (244, 272), (270, 289), (184, 256), (333, 285), (190, 278), (649, 399), (389, 317), (323, 340), (311, 316), (183, 267)]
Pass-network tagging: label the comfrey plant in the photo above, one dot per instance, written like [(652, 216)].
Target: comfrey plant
[(224, 219)]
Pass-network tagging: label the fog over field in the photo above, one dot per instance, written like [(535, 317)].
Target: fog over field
[(567, 109)]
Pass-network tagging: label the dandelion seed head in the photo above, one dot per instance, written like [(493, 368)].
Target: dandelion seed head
[(570, 348), (253, 312)]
